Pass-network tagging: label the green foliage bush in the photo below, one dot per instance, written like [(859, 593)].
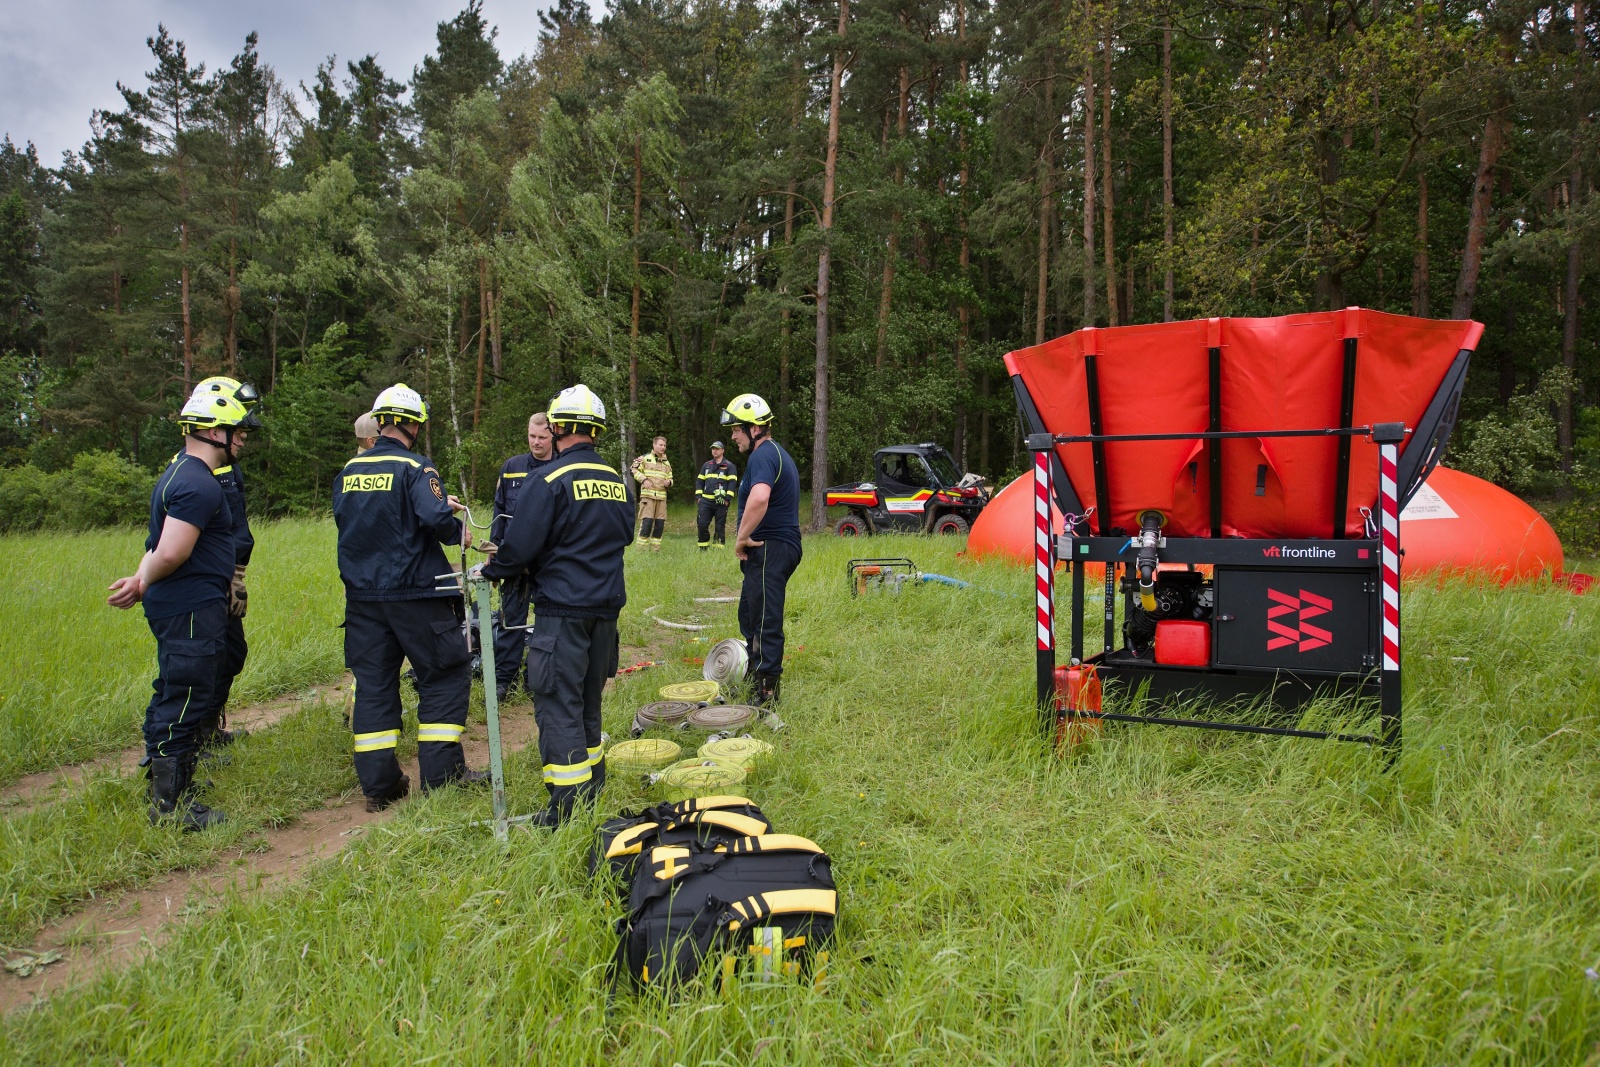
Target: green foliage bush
[(99, 489)]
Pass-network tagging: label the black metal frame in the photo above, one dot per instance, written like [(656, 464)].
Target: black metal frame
[(1286, 689)]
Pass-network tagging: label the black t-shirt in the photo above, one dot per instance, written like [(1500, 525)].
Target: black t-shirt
[(189, 492), (770, 465)]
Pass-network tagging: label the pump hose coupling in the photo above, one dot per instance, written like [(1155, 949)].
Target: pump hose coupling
[(1150, 523)]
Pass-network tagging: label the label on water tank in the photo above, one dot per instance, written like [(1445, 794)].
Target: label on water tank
[(1426, 503)]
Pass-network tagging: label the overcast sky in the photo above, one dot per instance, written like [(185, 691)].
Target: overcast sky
[(61, 59)]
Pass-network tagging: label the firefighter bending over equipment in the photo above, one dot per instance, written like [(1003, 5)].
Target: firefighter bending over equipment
[(716, 485), (569, 532), (392, 513), (184, 581), (654, 475), (213, 733), (510, 644), (768, 539)]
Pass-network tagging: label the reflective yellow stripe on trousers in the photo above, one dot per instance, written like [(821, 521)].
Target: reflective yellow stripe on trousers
[(596, 754), (567, 773), (377, 740), (439, 731)]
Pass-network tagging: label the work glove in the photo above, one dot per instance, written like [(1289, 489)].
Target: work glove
[(238, 597)]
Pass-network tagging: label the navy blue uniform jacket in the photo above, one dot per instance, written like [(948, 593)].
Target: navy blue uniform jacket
[(572, 523), (232, 481), (392, 514), (513, 477)]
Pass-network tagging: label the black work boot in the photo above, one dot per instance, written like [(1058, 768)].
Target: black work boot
[(475, 778), (764, 690), (400, 792), (170, 785)]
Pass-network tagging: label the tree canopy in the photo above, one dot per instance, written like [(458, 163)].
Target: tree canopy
[(852, 208)]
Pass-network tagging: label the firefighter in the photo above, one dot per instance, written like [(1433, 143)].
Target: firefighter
[(184, 580), (718, 482), (654, 475), (510, 644), (392, 513), (571, 527), (366, 433), (767, 541), (214, 734)]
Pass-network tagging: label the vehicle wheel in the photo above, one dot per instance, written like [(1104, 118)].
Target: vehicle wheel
[(850, 526), (953, 525)]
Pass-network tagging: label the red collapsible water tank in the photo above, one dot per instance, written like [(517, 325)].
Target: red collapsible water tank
[(1183, 642)]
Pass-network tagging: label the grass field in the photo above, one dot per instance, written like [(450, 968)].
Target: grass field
[(1160, 896), (78, 672)]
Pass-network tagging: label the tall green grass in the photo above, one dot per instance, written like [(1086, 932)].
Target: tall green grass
[(76, 675), (1159, 896)]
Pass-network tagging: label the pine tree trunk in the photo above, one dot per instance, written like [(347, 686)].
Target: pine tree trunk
[(830, 169), (1089, 168), (788, 326), (1166, 169), (633, 322), (1113, 305), (1576, 194), (886, 296), (963, 313), (1478, 217), (483, 341), (1420, 283), (1047, 162)]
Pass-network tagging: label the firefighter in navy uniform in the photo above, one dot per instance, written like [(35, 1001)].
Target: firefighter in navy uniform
[(214, 733), (768, 539), (510, 645), (183, 581), (713, 489), (571, 528), (393, 513)]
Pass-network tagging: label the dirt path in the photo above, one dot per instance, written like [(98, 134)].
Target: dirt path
[(115, 933), (42, 787)]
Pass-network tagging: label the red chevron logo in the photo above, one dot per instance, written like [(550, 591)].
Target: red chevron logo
[(1285, 632)]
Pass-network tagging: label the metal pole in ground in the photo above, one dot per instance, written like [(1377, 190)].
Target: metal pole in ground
[(491, 707), (1045, 587), (1388, 436)]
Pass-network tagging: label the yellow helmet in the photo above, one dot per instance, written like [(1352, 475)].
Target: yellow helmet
[(747, 408), (577, 409), (397, 402), (243, 392), (205, 410)]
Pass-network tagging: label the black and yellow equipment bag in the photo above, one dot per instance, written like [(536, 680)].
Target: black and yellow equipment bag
[(707, 821), (768, 899)]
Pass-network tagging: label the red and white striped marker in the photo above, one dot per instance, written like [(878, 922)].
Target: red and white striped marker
[(1389, 506), (1043, 569), (1044, 573)]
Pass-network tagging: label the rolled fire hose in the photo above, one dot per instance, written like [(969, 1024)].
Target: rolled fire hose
[(721, 717), (691, 691), (645, 755), (662, 713), (747, 752), (727, 662), (699, 777)]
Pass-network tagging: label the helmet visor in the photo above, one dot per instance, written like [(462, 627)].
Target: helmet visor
[(728, 418)]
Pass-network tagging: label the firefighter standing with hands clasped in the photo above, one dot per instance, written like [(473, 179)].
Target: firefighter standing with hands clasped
[(235, 649), (509, 644), (654, 475), (716, 486), (768, 539), (184, 581), (571, 527), (393, 513)]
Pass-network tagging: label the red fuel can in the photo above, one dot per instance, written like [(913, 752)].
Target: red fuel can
[(1183, 642)]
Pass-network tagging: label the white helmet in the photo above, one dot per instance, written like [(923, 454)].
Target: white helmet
[(577, 409), (397, 402)]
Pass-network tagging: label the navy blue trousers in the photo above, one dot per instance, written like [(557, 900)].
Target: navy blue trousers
[(190, 650), (766, 583)]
